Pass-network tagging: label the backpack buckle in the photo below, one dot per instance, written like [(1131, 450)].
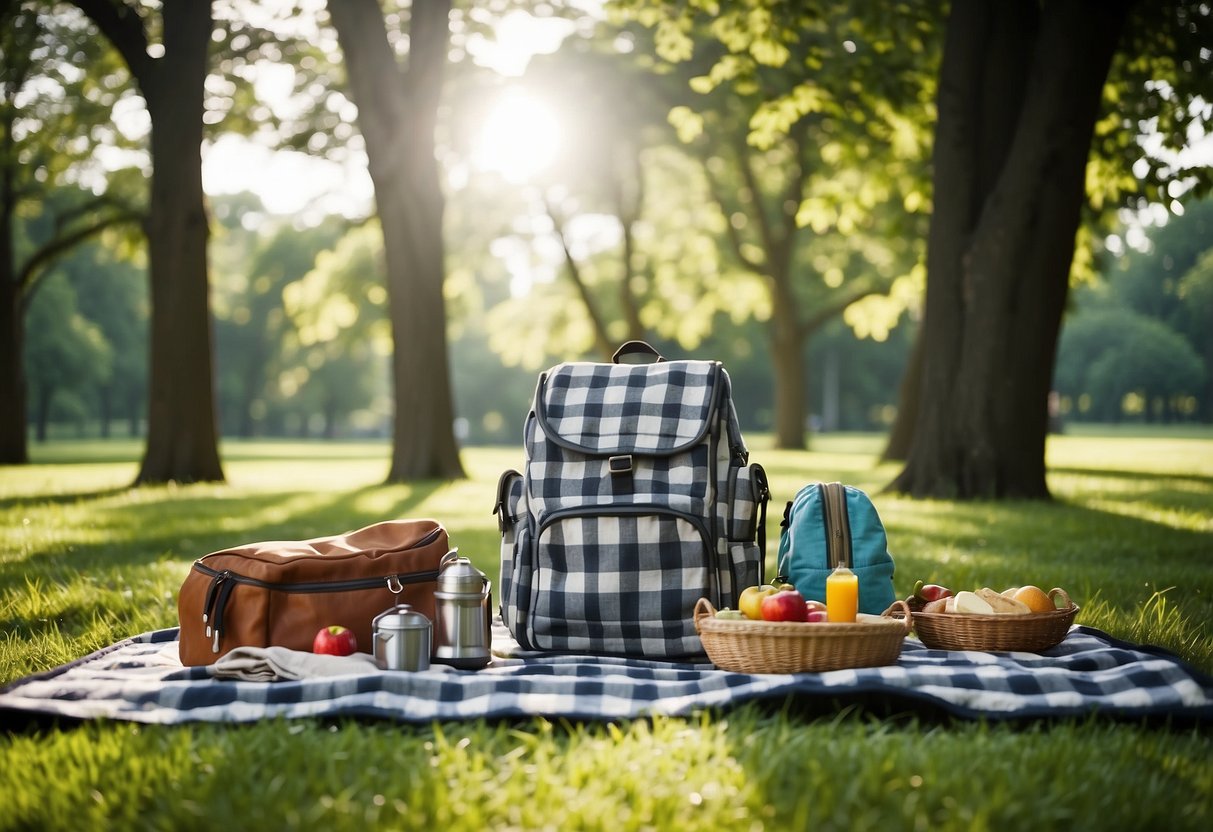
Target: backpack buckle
[(621, 464)]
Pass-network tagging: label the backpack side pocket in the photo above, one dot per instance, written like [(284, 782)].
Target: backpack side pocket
[(746, 528), (511, 522)]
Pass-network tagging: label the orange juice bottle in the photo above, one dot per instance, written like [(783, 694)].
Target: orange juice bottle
[(842, 595)]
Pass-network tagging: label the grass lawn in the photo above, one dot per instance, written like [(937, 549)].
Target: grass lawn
[(86, 561)]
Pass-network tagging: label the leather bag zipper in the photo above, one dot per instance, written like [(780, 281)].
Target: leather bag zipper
[(223, 581)]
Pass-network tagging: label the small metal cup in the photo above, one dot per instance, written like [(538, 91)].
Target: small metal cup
[(402, 637)]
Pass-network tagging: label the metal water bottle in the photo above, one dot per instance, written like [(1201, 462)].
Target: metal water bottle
[(462, 623)]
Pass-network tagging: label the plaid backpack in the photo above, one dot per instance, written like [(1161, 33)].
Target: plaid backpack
[(637, 500)]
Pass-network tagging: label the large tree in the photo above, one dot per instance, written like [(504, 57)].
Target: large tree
[(50, 121), (1019, 98), (182, 441), (397, 101)]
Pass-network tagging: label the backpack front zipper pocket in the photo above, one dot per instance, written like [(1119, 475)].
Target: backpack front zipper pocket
[(620, 580)]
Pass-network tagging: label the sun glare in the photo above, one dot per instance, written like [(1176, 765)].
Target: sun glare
[(519, 139)]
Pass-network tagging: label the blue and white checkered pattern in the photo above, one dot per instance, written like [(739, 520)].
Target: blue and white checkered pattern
[(1088, 675), (635, 501)]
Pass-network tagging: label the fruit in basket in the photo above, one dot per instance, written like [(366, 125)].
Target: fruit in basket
[(815, 616), (751, 598), (785, 605), (1034, 598), (785, 585), (815, 606), (930, 592), (731, 615), (335, 641)]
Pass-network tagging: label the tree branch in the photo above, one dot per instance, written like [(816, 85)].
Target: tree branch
[(429, 37), (714, 187), (123, 26), (629, 213), (837, 305), (35, 268), (781, 252), (64, 219), (745, 165), (574, 271)]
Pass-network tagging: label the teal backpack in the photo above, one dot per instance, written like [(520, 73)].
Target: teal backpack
[(829, 525)]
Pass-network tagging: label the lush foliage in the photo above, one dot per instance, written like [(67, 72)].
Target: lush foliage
[(87, 561), (1139, 343)]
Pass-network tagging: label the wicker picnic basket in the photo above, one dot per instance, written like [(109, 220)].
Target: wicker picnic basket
[(793, 647), (1021, 633)]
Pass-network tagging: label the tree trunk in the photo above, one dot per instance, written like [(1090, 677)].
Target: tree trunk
[(182, 440), (105, 403), (252, 383), (46, 394), (787, 358), (1205, 413), (134, 408), (901, 434), (1002, 238), (397, 112), (14, 443)]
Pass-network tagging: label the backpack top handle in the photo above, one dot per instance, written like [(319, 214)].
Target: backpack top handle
[(640, 348)]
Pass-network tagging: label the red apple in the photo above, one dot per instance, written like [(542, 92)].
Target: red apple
[(812, 605), (816, 616), (785, 605), (335, 641), (931, 592)]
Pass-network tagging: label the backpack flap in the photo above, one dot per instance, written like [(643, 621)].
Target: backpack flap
[(615, 409), (633, 434), (806, 557)]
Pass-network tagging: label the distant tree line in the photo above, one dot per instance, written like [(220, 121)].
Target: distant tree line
[(301, 349)]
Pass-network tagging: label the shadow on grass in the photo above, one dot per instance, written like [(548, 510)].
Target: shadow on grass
[(60, 499), (1158, 476), (181, 528)]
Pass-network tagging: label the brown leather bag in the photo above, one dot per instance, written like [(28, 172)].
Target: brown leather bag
[(280, 592)]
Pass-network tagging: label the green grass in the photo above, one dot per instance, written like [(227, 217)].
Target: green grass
[(85, 561)]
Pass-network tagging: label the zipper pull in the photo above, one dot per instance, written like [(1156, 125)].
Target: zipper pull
[(210, 599), (220, 604)]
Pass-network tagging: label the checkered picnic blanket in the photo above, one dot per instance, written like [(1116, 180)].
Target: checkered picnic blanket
[(140, 680)]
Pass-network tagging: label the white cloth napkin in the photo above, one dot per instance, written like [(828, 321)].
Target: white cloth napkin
[(271, 664)]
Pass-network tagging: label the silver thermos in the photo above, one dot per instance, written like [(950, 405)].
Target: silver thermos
[(462, 625)]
